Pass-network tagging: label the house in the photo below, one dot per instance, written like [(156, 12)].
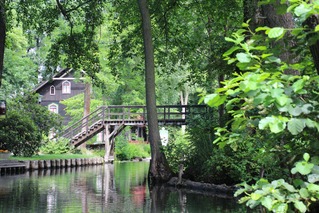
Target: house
[(61, 86)]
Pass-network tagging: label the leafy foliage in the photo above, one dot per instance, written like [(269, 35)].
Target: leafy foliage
[(179, 151), (280, 196), (25, 124), (19, 134), (127, 151), (27, 105), (264, 98), (60, 146)]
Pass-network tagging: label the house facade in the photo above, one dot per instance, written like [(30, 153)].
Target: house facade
[(61, 86)]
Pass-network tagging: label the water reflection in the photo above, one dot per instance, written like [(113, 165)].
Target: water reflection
[(121, 187)]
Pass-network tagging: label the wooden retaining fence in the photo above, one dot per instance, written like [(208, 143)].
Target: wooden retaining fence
[(17, 167)]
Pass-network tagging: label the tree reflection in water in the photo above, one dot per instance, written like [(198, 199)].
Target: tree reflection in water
[(119, 187)]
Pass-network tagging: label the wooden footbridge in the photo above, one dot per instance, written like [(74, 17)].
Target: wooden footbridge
[(114, 119)]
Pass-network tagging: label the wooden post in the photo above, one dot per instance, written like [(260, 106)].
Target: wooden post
[(107, 143)]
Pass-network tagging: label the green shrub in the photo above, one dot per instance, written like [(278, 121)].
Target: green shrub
[(281, 196), (100, 153), (19, 134), (179, 151), (60, 146), (127, 151)]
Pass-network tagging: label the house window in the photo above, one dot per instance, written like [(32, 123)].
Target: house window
[(54, 108), (52, 90), (66, 87)]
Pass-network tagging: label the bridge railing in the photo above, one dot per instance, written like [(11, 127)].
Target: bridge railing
[(84, 124), (125, 114)]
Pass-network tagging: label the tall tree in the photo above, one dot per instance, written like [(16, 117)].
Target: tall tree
[(2, 35), (159, 168)]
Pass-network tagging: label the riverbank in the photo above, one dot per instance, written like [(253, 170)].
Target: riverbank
[(20, 166)]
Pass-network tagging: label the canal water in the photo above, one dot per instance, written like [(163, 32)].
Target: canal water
[(118, 187)]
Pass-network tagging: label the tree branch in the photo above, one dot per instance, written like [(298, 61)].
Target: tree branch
[(64, 13), (77, 7)]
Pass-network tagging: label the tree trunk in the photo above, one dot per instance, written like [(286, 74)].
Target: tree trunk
[(2, 35), (159, 170), (252, 13), (311, 23), (87, 103), (267, 15), (272, 19)]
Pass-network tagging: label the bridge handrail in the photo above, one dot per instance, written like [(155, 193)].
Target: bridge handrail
[(125, 114), (79, 125)]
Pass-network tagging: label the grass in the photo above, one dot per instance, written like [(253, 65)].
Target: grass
[(53, 156)]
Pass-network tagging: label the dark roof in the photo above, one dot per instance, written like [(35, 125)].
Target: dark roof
[(59, 74)]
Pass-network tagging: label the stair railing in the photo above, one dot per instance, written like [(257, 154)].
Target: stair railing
[(83, 125)]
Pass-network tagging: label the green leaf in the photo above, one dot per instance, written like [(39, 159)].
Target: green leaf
[(282, 100), (267, 202), (296, 126), (238, 124), (243, 57), (277, 92), (304, 168), (260, 48), (230, 51), (262, 29), (259, 99), (266, 55), (264, 122), (306, 157), (300, 206), (280, 207), (307, 108), (230, 39), (243, 199), (273, 59), (295, 111), (276, 32), (214, 100), (302, 10), (313, 188), (313, 178), (289, 187), (304, 193), (255, 196), (277, 126), (310, 123), (298, 85), (317, 28), (252, 203)]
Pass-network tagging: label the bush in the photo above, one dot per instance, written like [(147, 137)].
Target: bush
[(19, 134), (60, 146), (281, 196), (25, 123), (100, 153), (127, 151), (179, 151)]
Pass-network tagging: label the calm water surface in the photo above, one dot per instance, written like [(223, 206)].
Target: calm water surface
[(121, 187)]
